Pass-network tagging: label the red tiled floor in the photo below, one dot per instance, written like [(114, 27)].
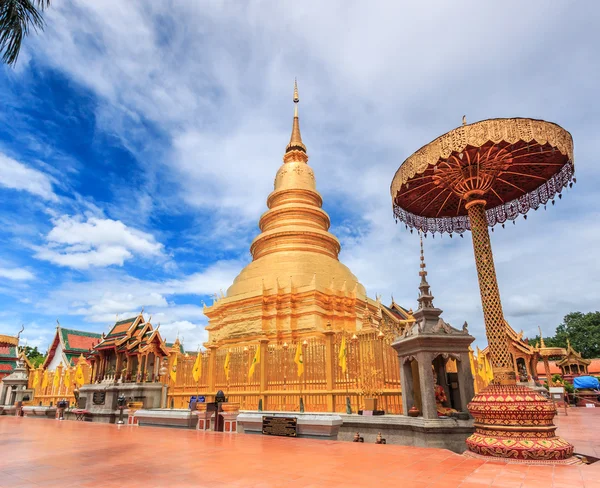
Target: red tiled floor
[(36, 452)]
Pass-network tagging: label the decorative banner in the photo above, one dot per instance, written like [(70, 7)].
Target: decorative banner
[(343, 355), (79, 377), (36, 378), (197, 371), (67, 378), (56, 381), (173, 371), (226, 367), (299, 360), (45, 379), (255, 361)]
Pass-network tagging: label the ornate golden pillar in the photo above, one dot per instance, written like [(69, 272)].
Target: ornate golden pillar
[(212, 367), (547, 369), (264, 351), (330, 368), (490, 295)]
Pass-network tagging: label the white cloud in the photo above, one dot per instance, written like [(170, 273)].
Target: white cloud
[(18, 176), (95, 242), (16, 274), (375, 84)]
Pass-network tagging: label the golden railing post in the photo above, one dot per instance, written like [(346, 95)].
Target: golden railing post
[(330, 368), (212, 368), (490, 295), (264, 350)]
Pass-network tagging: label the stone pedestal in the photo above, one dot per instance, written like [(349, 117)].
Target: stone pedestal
[(133, 407), (311, 425), (166, 417), (39, 412), (230, 414), (446, 433), (100, 400), (204, 417)]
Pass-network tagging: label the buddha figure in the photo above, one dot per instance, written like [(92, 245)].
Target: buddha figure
[(441, 398)]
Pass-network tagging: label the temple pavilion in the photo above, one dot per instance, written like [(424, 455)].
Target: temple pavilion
[(295, 284), (131, 351), (531, 362)]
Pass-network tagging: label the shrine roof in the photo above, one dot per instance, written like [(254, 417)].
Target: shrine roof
[(79, 341), (8, 351), (7, 366), (121, 327)]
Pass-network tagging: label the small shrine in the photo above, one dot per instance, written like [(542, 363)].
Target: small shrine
[(573, 364), (424, 351), (14, 388)]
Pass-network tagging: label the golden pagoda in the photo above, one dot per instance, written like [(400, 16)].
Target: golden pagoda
[(295, 284)]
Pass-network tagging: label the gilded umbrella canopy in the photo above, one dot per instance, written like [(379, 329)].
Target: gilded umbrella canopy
[(516, 163), (468, 179)]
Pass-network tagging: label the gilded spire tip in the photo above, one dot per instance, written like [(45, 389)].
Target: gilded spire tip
[(296, 143), (296, 98)]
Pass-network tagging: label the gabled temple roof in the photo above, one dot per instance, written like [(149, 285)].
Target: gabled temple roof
[(73, 342), (573, 356), (397, 311), (130, 336), (122, 331)]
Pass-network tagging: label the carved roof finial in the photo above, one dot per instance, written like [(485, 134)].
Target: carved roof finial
[(464, 120), (541, 337)]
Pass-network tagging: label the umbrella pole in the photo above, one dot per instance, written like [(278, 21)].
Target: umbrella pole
[(493, 316)]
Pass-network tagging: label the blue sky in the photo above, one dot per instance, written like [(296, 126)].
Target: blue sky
[(139, 141)]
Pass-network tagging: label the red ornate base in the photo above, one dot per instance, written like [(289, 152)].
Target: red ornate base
[(515, 422)]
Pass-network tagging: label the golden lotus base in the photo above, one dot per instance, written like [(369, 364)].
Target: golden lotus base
[(516, 423)]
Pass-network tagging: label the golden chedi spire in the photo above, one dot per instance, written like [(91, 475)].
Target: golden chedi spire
[(295, 150), (295, 239)]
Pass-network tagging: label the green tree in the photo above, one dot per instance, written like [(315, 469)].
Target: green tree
[(583, 330), (17, 17), (35, 357)]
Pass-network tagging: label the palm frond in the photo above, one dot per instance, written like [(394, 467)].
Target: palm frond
[(16, 18)]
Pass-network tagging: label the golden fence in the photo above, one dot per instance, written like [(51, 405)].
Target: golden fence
[(54, 391), (372, 372)]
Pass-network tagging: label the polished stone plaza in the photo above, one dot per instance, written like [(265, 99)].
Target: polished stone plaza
[(39, 452)]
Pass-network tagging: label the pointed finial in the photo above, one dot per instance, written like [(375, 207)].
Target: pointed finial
[(296, 98), (464, 120), (57, 324), (296, 143), (541, 337), (425, 298), (423, 271)]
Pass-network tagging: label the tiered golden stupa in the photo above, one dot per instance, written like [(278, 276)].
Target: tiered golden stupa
[(295, 284)]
